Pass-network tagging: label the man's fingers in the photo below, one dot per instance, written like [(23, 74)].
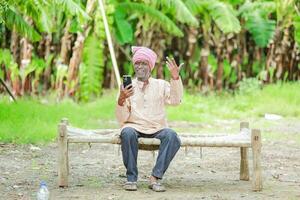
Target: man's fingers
[(169, 60), (180, 66), (130, 89), (128, 86), (174, 62), (168, 65), (130, 93)]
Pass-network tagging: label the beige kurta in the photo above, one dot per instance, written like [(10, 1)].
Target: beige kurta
[(145, 110)]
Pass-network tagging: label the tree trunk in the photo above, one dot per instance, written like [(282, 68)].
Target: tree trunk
[(205, 51), (192, 34), (48, 70), (251, 52), (220, 54), (285, 44), (25, 56), (66, 44), (14, 44), (219, 82), (75, 61), (4, 41), (72, 78), (158, 47), (272, 54)]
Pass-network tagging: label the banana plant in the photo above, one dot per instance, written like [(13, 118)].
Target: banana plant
[(92, 68), (224, 16), (257, 22)]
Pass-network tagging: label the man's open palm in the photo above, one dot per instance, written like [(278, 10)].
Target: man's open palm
[(173, 67)]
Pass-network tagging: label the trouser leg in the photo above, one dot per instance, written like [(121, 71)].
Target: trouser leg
[(170, 144), (129, 146)]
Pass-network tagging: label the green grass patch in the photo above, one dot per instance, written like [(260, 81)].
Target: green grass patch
[(35, 120)]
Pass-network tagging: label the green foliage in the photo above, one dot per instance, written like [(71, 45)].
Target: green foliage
[(249, 85), (235, 2), (124, 30), (61, 73), (213, 63), (3, 8), (220, 12), (91, 69), (223, 15), (5, 57), (297, 29), (73, 8), (38, 11), (195, 6), (45, 22), (257, 22), (264, 7), (257, 67), (39, 65), (14, 20), (75, 26), (17, 119), (14, 71), (261, 29), (179, 9), (226, 69), (285, 11), (160, 18)]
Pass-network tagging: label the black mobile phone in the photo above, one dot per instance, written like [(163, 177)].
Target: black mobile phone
[(127, 80)]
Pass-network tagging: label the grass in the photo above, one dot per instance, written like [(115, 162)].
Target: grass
[(34, 120), (278, 99)]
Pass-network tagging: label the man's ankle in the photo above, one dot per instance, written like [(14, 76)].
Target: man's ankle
[(153, 179)]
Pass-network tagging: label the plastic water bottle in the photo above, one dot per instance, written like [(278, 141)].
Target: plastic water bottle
[(43, 193)]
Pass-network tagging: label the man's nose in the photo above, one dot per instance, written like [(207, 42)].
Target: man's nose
[(140, 66)]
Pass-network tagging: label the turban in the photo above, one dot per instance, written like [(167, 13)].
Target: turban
[(144, 54)]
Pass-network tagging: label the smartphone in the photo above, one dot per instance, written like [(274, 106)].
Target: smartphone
[(127, 80)]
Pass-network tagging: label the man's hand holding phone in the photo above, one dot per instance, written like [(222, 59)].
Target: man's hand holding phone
[(126, 90)]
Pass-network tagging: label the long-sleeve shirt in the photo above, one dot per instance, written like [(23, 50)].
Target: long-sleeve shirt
[(145, 110)]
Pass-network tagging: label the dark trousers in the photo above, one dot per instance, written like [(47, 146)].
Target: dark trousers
[(169, 145)]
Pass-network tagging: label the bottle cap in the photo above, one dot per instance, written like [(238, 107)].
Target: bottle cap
[(43, 183)]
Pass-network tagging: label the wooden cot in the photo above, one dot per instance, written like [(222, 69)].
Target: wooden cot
[(245, 139)]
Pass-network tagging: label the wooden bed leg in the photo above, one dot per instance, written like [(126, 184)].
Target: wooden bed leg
[(244, 166), (63, 162), (256, 150)]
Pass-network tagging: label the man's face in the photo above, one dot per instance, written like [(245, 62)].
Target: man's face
[(142, 70)]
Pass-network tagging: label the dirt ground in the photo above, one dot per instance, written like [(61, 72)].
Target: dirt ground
[(98, 172)]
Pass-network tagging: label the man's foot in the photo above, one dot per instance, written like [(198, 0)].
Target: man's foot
[(130, 186), (155, 185)]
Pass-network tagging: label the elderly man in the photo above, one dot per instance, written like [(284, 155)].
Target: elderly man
[(141, 113)]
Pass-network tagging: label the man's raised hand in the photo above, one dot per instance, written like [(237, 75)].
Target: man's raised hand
[(174, 68)]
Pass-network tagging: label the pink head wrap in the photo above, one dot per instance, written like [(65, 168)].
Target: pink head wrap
[(144, 54)]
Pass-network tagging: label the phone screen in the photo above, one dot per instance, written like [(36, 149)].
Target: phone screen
[(126, 80)]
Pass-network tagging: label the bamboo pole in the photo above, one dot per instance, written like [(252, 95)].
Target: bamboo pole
[(110, 44), (196, 142), (8, 91)]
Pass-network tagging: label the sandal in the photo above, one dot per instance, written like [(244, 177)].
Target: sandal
[(130, 186), (157, 187)]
